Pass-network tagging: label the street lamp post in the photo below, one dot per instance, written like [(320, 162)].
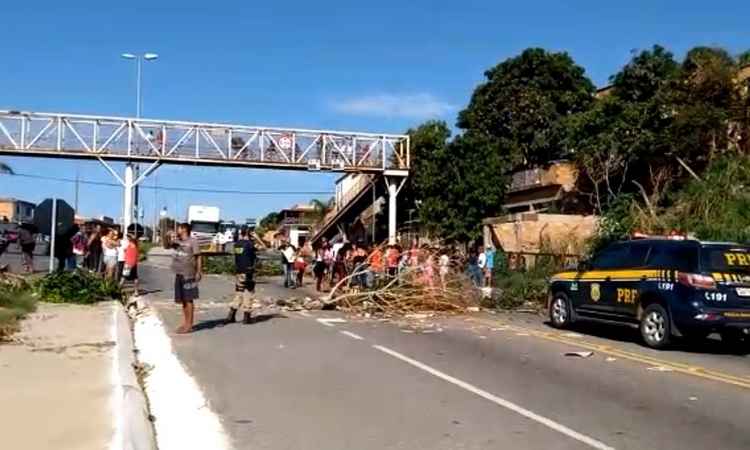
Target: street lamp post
[(129, 202), (139, 59)]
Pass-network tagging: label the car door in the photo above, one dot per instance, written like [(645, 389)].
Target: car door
[(629, 277), (597, 289)]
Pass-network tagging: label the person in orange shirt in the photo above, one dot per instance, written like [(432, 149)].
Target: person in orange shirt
[(130, 268), (375, 260), (392, 256)]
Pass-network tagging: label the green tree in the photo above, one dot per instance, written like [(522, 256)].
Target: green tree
[(269, 222), (322, 207), (622, 143), (703, 96), (521, 105), (455, 183), (645, 75)]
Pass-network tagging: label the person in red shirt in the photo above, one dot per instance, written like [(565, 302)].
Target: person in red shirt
[(130, 269), (375, 260), (392, 256)]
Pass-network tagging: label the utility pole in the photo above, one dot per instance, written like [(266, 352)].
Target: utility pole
[(135, 200), (156, 212)]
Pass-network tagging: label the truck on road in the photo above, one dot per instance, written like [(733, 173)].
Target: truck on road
[(204, 221)]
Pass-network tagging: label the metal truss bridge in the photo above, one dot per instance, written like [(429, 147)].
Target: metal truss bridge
[(135, 140), (172, 142)]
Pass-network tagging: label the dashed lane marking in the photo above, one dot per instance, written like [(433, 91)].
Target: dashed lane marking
[(329, 322), (352, 335), (591, 442)]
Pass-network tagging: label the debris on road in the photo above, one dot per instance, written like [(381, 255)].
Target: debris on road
[(414, 294), (580, 354)]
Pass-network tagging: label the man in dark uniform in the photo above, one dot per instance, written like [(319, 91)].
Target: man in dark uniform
[(244, 269)]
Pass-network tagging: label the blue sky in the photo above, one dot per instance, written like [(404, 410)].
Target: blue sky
[(372, 66)]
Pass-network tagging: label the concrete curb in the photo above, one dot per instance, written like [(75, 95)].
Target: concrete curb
[(136, 430)]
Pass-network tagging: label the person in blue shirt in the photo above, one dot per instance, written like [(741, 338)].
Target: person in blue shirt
[(489, 265)]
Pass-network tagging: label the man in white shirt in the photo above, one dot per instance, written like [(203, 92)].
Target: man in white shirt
[(482, 261), (289, 257)]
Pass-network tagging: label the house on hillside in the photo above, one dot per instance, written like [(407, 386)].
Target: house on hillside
[(16, 211), (546, 214), (295, 225)]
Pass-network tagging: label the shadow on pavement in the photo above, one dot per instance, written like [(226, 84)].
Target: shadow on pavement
[(208, 324), (213, 323), (709, 345), (267, 317)]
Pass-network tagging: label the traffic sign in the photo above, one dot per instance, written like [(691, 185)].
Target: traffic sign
[(43, 217)]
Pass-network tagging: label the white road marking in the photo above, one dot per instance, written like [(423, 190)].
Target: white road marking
[(499, 401), (352, 335), (175, 398), (331, 321)]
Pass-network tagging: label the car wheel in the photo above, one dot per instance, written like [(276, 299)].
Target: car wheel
[(655, 327), (560, 312)]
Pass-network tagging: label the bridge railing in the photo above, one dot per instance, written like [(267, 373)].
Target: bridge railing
[(129, 139)]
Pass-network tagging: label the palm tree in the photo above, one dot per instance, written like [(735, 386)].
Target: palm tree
[(321, 209)]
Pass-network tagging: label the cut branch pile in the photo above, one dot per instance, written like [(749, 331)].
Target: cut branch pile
[(412, 291)]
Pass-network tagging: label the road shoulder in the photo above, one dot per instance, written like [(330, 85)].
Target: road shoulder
[(58, 374)]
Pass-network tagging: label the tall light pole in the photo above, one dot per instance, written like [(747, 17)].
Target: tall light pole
[(128, 203), (139, 61)]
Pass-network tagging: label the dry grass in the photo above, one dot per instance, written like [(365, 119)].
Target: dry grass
[(16, 301)]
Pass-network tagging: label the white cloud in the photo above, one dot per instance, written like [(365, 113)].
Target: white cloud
[(412, 106)]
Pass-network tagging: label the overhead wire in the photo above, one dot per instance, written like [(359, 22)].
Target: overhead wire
[(166, 188)]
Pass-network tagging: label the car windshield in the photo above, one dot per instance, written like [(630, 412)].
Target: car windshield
[(205, 227), (726, 258)]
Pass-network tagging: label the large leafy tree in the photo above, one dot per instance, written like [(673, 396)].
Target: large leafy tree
[(455, 184), (622, 143), (520, 107), (703, 97)]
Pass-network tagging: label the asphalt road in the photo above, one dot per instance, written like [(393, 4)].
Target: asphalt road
[(13, 259), (480, 382)]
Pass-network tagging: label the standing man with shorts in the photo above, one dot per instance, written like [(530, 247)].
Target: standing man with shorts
[(188, 270), (27, 242), (244, 286)]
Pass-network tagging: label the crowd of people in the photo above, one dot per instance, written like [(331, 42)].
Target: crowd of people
[(359, 266), (99, 250)]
